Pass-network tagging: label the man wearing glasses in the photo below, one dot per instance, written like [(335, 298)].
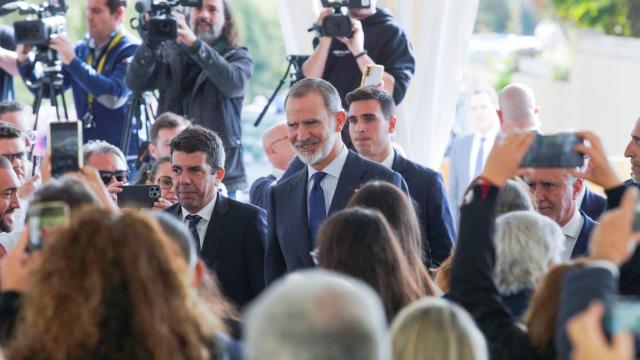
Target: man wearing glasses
[(279, 152), (110, 163)]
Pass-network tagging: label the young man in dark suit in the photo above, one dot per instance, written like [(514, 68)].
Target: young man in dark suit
[(372, 120), (230, 235), (300, 203)]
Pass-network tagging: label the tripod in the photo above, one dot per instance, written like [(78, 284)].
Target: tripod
[(52, 82), (138, 106), (295, 62)]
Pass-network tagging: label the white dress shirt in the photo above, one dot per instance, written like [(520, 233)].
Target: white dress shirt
[(489, 139), (205, 213), (330, 181), (571, 230), (388, 161)]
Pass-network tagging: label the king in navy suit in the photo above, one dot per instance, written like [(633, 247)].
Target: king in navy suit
[(372, 119), (299, 204), (229, 235)]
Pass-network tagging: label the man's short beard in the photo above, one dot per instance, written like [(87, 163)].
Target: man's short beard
[(208, 36), (4, 225), (319, 155)]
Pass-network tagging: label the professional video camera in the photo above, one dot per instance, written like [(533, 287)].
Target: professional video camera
[(160, 25), (339, 24)]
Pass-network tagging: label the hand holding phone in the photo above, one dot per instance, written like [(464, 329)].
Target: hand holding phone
[(372, 76), (139, 196)]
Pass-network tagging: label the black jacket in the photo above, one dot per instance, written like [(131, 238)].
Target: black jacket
[(472, 284), (204, 85)]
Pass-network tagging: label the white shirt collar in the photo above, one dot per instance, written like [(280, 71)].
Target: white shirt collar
[(388, 161), (335, 167), (277, 172), (489, 136), (206, 212), (573, 227)]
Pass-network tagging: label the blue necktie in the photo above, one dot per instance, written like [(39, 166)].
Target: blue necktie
[(317, 209), (192, 222), (479, 159)]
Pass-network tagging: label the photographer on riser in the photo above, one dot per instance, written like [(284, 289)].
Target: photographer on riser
[(202, 75), (94, 69)]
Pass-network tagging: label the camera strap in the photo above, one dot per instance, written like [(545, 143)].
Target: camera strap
[(103, 59)]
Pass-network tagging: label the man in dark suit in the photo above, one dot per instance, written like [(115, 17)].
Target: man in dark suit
[(279, 152), (555, 192), (300, 203), (230, 235), (592, 203), (372, 120)]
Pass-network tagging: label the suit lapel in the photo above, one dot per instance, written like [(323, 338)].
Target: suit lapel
[(297, 217), (217, 228), (348, 182), (399, 163)]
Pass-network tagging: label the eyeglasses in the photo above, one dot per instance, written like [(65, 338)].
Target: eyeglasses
[(19, 156), (120, 175), (165, 182)]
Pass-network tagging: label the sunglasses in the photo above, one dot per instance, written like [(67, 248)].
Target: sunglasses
[(165, 182), (120, 175)]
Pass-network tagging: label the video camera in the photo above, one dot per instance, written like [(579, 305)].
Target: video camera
[(339, 24), (160, 25), (50, 22)]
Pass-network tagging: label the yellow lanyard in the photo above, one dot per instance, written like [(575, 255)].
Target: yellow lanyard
[(103, 59)]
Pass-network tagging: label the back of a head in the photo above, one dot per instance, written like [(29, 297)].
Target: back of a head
[(67, 189), (399, 212), (317, 315), (526, 244), (513, 196), (518, 107), (101, 147), (359, 242), (110, 286), (434, 328)]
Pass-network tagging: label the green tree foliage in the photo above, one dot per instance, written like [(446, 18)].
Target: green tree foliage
[(612, 16)]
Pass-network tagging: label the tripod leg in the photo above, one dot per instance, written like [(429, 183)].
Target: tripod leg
[(64, 105), (54, 100)]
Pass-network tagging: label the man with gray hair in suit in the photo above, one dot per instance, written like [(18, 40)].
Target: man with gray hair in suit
[(317, 314)]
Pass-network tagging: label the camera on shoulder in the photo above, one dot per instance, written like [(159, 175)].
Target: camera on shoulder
[(161, 25), (338, 24)]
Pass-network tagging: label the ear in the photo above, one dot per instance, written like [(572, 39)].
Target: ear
[(577, 186), (153, 151), (219, 174), (500, 116), (120, 13), (536, 110), (198, 273), (341, 119), (392, 123)]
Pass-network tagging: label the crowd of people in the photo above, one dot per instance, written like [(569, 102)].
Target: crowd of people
[(347, 250)]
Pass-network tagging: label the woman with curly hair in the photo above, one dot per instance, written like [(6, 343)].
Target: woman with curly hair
[(112, 286)]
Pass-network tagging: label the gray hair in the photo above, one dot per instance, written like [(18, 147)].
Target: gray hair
[(434, 328), (101, 147), (513, 196), (329, 94), (526, 243), (68, 189), (317, 314)]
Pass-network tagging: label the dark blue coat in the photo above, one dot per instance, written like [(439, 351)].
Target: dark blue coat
[(427, 191), (593, 204), (259, 192), (289, 244), (233, 247), (582, 244)]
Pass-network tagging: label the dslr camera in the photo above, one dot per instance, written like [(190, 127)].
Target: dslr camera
[(50, 22), (338, 24), (160, 25)]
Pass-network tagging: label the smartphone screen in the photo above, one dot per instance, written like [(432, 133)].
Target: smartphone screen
[(42, 220), (554, 151), (65, 147), (623, 314)]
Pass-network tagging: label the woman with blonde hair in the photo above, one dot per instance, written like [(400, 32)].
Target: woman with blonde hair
[(433, 328), (112, 286)]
